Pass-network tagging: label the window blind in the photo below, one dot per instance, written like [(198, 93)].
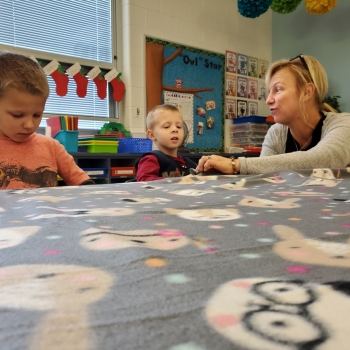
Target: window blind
[(74, 28), (89, 106)]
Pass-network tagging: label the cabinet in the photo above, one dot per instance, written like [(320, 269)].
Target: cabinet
[(104, 162)]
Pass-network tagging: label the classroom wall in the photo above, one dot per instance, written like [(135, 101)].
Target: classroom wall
[(205, 24), (326, 37)]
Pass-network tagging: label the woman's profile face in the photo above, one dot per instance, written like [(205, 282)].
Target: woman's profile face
[(283, 98)]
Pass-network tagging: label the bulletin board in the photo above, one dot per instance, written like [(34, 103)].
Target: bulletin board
[(193, 80), (245, 86)]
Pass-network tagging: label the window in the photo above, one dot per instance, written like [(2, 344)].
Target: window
[(89, 106), (69, 31)]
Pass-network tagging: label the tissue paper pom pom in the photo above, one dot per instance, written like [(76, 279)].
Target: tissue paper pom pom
[(319, 7), (253, 8), (284, 6)]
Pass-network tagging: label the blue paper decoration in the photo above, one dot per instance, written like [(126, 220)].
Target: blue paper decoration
[(253, 8)]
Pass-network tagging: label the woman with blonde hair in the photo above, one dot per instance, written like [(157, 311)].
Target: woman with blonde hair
[(308, 133)]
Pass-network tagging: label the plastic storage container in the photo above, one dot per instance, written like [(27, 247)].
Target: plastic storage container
[(249, 119), (135, 145), (249, 127), (102, 148), (69, 139), (248, 140), (252, 149), (97, 146), (249, 133), (248, 144)]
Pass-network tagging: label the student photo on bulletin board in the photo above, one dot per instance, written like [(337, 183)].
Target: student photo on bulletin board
[(210, 122), (200, 128)]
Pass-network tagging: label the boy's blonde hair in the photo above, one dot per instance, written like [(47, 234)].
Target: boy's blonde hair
[(21, 73), (152, 114), (316, 75)]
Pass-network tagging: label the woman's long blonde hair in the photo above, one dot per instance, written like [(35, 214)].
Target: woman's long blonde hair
[(315, 75)]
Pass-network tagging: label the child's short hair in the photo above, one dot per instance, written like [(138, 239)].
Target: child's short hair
[(153, 113), (23, 74)]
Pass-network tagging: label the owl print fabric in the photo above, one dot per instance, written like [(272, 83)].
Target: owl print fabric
[(192, 263)]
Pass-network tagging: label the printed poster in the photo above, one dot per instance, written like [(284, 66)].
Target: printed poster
[(241, 108), (231, 85), (262, 68), (253, 89), (252, 108), (184, 102), (242, 86), (262, 94), (252, 67), (231, 62), (230, 108), (242, 62)]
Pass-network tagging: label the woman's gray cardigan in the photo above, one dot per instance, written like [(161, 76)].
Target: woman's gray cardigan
[(333, 150)]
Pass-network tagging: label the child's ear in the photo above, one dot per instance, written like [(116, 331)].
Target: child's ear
[(150, 135)]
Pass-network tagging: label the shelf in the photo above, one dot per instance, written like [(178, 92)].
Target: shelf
[(107, 161)]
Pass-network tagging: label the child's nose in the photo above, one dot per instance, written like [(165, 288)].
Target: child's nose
[(28, 123)]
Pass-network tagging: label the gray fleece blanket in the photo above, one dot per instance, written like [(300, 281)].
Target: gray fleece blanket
[(195, 263)]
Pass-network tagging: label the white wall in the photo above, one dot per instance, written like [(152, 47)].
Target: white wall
[(213, 25), (326, 37)]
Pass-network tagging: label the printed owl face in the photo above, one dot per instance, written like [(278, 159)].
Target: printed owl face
[(273, 314), (295, 247), (98, 239), (257, 202), (52, 199), (301, 194), (12, 236), (191, 192), (206, 214), (39, 287), (323, 174), (144, 200), (75, 213), (234, 186), (62, 293)]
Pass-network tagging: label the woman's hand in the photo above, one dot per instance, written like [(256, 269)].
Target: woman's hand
[(223, 164)]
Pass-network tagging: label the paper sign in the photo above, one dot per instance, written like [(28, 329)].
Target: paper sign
[(111, 75), (94, 72), (73, 69), (51, 67)]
